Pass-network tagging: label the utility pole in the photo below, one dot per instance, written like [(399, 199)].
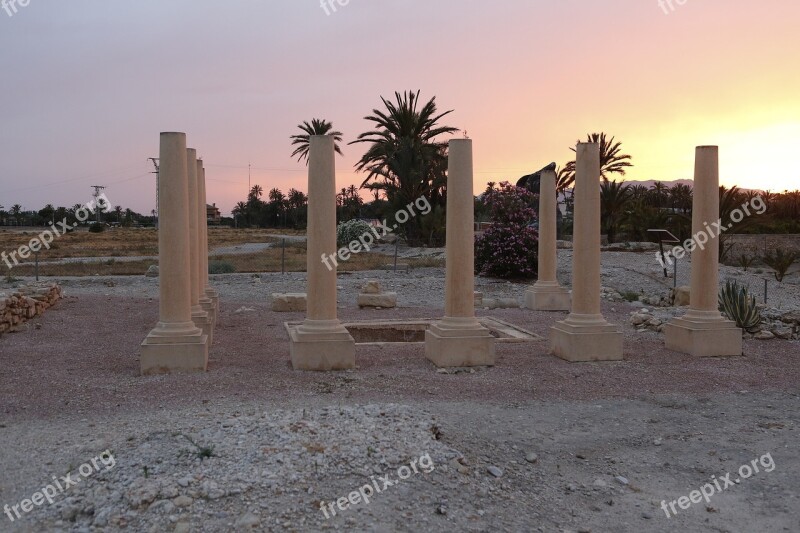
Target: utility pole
[(97, 189), (157, 213)]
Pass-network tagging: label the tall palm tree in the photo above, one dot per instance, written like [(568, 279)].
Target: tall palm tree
[(659, 194), (256, 192), (612, 161), (405, 159), (316, 127), (118, 210), (613, 197), (16, 212)]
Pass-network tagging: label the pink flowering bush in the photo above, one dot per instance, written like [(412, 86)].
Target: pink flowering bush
[(508, 249)]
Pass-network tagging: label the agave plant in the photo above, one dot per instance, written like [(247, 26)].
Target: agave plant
[(736, 303)]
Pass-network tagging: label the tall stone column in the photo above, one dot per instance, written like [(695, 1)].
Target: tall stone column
[(586, 335), (199, 316), (321, 342), (175, 345), (703, 331), (206, 304), (210, 293), (546, 294), (458, 339)]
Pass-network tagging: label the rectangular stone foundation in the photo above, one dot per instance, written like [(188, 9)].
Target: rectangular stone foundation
[(550, 300), (583, 344), (448, 348), (160, 356), (704, 339), (322, 352)]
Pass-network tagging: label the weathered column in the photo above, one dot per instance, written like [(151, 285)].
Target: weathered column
[(585, 335), (206, 304), (703, 331), (321, 342), (175, 344), (459, 339), (209, 291), (546, 294), (199, 316)]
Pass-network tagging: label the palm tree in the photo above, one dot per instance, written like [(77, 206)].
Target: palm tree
[(241, 210), (681, 197), (317, 127), (659, 194), (118, 210), (405, 159), (611, 160), (16, 212), (613, 197), (256, 192)]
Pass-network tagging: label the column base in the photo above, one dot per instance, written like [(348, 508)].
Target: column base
[(703, 338), (208, 306), (322, 346), (548, 296), (202, 320), (584, 340), (459, 343), (213, 295), (174, 352)]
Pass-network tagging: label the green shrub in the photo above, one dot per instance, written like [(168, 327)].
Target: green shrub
[(780, 262), (96, 228), (736, 303), (350, 231), (745, 261), (220, 267), (631, 296)]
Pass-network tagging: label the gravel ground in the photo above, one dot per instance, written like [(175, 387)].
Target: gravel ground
[(532, 444)]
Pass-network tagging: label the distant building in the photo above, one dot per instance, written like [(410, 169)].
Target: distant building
[(212, 214)]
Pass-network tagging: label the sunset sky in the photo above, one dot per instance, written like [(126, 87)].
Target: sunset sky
[(87, 85)]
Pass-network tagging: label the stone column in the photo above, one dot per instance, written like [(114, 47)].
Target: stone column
[(199, 316), (321, 342), (175, 344), (703, 331), (209, 291), (546, 294), (206, 304), (585, 335), (459, 340)]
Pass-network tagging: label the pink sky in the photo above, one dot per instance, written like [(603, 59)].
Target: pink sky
[(88, 85)]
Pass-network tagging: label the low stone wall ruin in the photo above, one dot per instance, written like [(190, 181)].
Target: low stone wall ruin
[(25, 303)]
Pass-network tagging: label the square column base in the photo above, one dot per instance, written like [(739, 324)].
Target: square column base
[(718, 338), (586, 343), (448, 348), (548, 299), (322, 351), (208, 306), (174, 355), (203, 321), (213, 295)]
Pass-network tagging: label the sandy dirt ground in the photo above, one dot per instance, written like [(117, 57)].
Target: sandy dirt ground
[(532, 444)]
